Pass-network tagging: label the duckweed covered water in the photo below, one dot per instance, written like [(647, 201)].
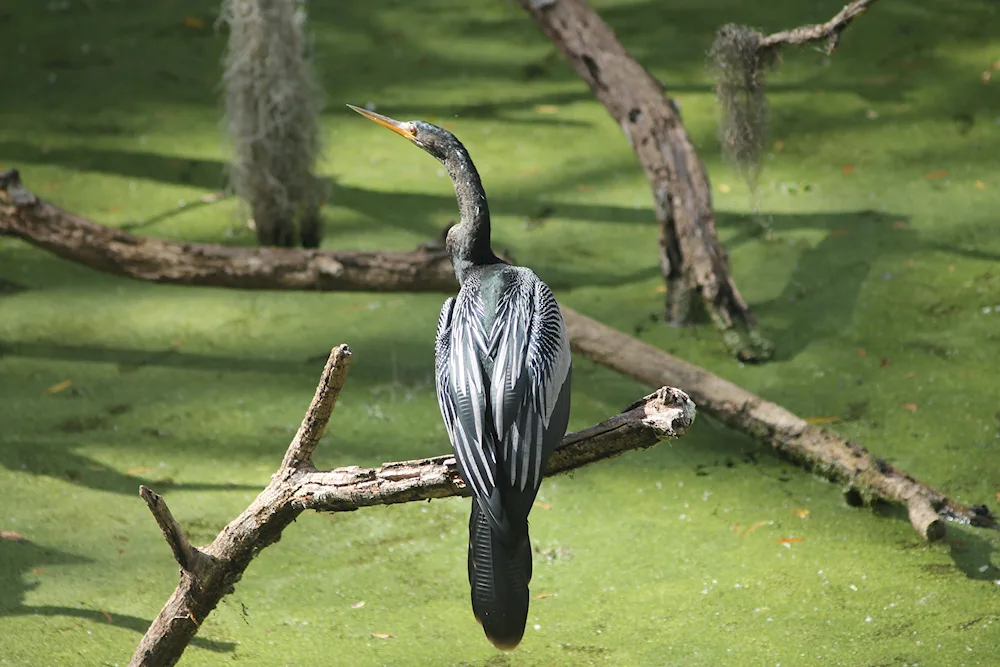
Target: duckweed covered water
[(880, 288)]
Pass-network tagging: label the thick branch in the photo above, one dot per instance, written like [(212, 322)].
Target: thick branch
[(297, 487), (829, 31), (77, 239), (693, 261), (666, 413), (819, 450)]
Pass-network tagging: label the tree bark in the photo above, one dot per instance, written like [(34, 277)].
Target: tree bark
[(208, 574), (77, 239), (819, 450), (815, 449), (817, 32), (693, 261)]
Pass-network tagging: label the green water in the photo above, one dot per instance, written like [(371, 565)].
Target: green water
[(113, 112)]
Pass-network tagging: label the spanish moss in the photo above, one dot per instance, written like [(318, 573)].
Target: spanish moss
[(740, 70), (272, 119)]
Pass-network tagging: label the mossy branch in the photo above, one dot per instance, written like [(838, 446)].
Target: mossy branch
[(818, 32), (297, 486), (693, 261), (742, 58)]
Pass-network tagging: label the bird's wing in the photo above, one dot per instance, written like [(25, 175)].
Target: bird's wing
[(531, 356), (462, 395)]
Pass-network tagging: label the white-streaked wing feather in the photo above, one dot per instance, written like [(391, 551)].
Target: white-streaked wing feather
[(531, 355), (462, 394), (549, 355), (548, 365), (508, 347)]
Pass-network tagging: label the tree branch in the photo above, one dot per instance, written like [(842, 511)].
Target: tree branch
[(300, 451), (666, 413), (819, 450), (184, 553), (829, 31), (693, 261), (111, 250)]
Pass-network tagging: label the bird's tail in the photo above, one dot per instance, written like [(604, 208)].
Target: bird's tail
[(499, 577)]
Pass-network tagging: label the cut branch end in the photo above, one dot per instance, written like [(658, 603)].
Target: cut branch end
[(926, 520)]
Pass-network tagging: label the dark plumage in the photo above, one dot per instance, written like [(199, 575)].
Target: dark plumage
[(503, 383)]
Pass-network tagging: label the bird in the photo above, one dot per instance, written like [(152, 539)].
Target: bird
[(502, 374)]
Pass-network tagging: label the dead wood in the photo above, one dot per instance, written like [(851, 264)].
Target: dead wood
[(693, 261), (813, 448), (210, 573), (817, 32), (743, 59), (817, 449), (111, 250)]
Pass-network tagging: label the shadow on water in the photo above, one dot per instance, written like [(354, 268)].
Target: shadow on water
[(852, 243), (421, 213), (23, 558), (55, 458), (365, 51), (971, 554), (131, 360)]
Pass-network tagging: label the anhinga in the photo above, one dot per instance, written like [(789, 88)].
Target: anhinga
[(502, 367)]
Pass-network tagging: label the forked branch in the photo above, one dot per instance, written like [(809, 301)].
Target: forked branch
[(209, 574), (743, 58)]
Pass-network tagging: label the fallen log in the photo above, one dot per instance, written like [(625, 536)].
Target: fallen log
[(821, 451), (116, 251)]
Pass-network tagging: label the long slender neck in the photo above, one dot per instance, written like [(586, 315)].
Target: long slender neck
[(469, 240)]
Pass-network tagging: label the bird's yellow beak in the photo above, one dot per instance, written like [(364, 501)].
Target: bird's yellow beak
[(402, 129)]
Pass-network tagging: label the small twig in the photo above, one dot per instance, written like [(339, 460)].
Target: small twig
[(829, 31), (184, 553), (181, 207), (300, 451)]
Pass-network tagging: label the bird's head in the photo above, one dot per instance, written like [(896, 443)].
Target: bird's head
[(433, 139)]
